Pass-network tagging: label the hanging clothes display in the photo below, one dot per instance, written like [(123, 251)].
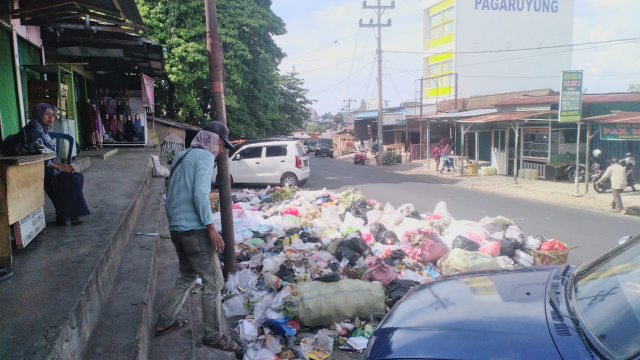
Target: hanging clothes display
[(88, 116), (103, 108), (127, 109), (119, 107), (99, 127), (129, 128)]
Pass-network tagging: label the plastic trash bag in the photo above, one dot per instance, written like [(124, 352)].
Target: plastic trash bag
[(291, 210), (496, 224), (515, 234), (278, 300), (374, 216), (234, 307), (411, 275), (442, 212), (469, 229), (531, 243), (351, 224), (427, 251), (507, 247), (324, 341), (491, 248), (522, 258), (382, 273), (317, 304), (290, 222), (458, 260), (376, 230), (463, 243), (261, 354), (261, 308), (399, 287), (505, 261), (348, 196), (272, 265), (388, 238)]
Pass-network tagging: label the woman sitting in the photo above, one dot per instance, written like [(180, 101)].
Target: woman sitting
[(61, 182)]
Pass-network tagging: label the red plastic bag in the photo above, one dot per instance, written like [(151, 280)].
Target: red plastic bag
[(291, 210), (367, 237), (428, 251), (491, 248), (434, 217), (382, 273), (552, 245)]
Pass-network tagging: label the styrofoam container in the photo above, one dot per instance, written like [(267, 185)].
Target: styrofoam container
[(248, 329), (358, 342)]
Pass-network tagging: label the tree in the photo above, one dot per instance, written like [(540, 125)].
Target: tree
[(254, 87), (634, 88), (327, 116), (338, 119), (363, 106), (293, 103), (315, 128)]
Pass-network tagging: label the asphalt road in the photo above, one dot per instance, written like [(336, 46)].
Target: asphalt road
[(593, 232)]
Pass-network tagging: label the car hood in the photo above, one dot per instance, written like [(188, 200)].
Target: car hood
[(480, 315)]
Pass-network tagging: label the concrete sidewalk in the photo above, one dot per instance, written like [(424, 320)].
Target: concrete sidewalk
[(50, 306), (561, 192)]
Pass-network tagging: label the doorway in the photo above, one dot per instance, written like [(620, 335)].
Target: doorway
[(499, 151)]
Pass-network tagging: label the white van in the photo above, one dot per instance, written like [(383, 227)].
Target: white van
[(269, 161)]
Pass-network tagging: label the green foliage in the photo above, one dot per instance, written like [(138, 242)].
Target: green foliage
[(338, 119), (259, 101), (389, 159), (315, 128), (327, 116), (634, 88), (363, 106)]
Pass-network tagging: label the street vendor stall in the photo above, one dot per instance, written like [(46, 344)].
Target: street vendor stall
[(21, 197)]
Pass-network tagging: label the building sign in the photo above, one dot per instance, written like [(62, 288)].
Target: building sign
[(397, 118), (28, 228), (571, 96), (148, 91), (620, 131), (540, 130), (539, 6)]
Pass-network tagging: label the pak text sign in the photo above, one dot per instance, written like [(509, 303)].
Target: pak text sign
[(620, 131), (571, 96), (397, 118)]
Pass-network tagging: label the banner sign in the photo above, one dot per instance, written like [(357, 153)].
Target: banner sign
[(28, 228), (539, 6), (396, 118), (148, 98), (620, 131), (571, 96)]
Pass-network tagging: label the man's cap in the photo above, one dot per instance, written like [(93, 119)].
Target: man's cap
[(221, 130)]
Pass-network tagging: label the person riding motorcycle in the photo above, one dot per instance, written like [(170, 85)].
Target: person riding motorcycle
[(630, 162)]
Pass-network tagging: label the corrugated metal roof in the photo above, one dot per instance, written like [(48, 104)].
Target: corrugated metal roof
[(463, 114), (374, 113), (177, 124), (487, 101), (503, 117), (624, 117), (600, 98)]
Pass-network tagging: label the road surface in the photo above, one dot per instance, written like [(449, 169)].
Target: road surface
[(593, 232)]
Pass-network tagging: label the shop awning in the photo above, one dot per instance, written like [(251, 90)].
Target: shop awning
[(617, 117), (462, 114), (506, 117)]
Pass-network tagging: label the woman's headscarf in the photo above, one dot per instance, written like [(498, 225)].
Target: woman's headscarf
[(137, 124), (207, 140), (36, 121)]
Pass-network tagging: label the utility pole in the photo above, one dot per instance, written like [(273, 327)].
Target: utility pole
[(379, 9), (349, 107), (216, 78)]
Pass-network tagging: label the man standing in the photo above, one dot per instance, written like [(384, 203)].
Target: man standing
[(194, 235), (618, 174), (436, 155)]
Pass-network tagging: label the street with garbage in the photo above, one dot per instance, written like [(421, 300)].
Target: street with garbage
[(318, 269)]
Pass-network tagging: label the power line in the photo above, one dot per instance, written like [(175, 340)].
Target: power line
[(520, 49), (318, 49), (366, 93), (330, 66), (338, 83)]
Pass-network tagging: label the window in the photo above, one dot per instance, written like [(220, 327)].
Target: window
[(276, 151), (447, 66), (251, 153), (441, 23), (442, 67), (435, 69)]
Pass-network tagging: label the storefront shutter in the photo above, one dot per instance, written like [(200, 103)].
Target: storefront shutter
[(8, 99)]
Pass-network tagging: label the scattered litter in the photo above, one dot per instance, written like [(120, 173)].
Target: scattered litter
[(313, 263), (147, 234)]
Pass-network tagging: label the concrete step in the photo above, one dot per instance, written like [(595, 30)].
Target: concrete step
[(102, 154), (123, 327), (81, 164)]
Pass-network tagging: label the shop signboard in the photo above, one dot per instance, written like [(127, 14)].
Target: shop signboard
[(28, 228), (571, 96), (620, 132), (147, 91), (395, 118)]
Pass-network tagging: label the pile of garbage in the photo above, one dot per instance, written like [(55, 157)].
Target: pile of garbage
[(319, 270)]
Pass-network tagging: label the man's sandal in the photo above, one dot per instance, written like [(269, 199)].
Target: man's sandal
[(177, 324), (224, 343)]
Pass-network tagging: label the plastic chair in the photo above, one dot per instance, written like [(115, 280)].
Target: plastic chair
[(62, 136)]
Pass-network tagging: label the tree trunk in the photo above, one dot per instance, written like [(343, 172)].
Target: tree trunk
[(171, 110)]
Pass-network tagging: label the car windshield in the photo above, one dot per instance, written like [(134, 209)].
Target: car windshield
[(324, 142), (607, 293)]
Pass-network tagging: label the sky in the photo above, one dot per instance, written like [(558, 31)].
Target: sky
[(335, 57)]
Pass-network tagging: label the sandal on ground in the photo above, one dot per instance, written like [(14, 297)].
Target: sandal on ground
[(69, 222), (177, 324), (224, 343), (623, 212)]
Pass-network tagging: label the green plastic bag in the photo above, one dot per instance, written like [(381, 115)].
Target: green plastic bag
[(317, 303)]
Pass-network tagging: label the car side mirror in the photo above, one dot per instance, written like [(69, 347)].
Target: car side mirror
[(624, 240), (237, 157)]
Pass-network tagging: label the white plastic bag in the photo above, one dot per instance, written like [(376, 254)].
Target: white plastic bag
[(374, 216), (157, 170), (272, 264), (441, 210), (262, 354), (531, 243), (351, 224), (411, 275), (234, 307), (514, 233), (469, 229), (291, 222)]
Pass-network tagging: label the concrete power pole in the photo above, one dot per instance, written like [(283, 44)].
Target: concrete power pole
[(379, 9), (349, 106), (216, 76)]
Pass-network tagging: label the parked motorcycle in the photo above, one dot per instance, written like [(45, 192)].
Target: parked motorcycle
[(606, 185), (360, 158), (580, 171)]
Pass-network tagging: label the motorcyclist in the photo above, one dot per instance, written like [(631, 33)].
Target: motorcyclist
[(630, 162)]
